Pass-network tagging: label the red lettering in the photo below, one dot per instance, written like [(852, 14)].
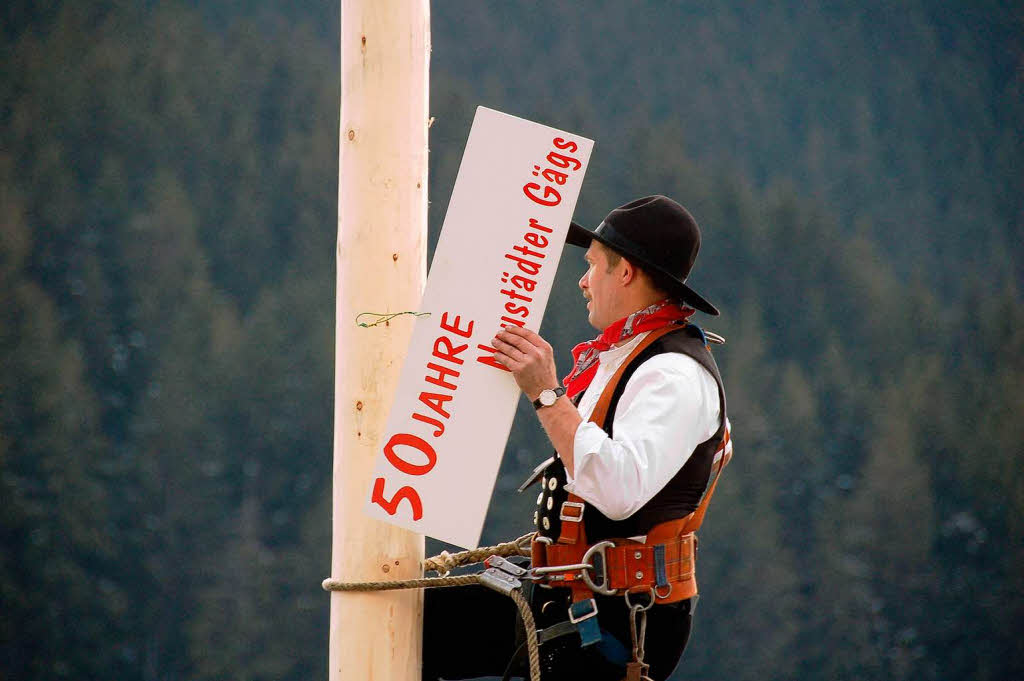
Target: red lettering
[(517, 309), (413, 442), (526, 251), (489, 359), (451, 350), (569, 146), (537, 240), (530, 189), (512, 294), (438, 425), (524, 283), (442, 374), (436, 402), (515, 322), (563, 161), (403, 494), (525, 266), (536, 225), (454, 328), (552, 175)]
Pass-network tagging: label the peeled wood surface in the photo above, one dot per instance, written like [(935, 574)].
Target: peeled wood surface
[(382, 234)]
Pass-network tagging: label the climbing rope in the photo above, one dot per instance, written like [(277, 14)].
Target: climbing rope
[(443, 564), (392, 585)]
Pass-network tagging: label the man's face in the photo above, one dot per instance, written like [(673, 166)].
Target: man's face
[(602, 288)]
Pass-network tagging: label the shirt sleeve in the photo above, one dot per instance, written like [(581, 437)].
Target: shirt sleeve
[(669, 406)]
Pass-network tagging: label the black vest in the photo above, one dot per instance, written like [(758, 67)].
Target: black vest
[(680, 496)]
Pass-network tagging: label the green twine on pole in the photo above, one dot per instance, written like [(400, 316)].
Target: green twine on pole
[(385, 318)]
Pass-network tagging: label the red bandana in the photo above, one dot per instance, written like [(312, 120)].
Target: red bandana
[(586, 355)]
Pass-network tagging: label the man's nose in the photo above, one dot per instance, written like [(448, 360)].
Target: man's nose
[(583, 283)]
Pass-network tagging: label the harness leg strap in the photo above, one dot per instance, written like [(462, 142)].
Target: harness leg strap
[(584, 615)]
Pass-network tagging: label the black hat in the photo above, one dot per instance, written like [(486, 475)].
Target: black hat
[(657, 234)]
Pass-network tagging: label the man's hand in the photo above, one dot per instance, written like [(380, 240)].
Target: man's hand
[(532, 363), (529, 357)]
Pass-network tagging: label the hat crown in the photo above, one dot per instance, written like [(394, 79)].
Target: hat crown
[(657, 234), (660, 232)]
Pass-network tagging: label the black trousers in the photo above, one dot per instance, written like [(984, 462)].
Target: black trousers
[(472, 631)]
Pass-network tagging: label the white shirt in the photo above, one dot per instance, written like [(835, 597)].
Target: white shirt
[(668, 407)]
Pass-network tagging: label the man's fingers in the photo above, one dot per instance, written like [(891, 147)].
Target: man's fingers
[(518, 342), (507, 348), (505, 360), (523, 332), (508, 355), (531, 337)]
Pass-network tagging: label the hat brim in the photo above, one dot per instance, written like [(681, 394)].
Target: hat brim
[(581, 236)]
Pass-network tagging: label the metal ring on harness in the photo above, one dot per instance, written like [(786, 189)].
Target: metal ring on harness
[(598, 549), (666, 594), (650, 592)]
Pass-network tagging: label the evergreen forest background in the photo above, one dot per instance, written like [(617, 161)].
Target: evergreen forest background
[(168, 188)]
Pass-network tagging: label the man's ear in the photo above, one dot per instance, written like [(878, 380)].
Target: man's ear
[(630, 273)]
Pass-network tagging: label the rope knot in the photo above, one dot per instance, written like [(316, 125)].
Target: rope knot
[(442, 564)]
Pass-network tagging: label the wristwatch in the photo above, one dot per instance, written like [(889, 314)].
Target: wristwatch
[(548, 397)]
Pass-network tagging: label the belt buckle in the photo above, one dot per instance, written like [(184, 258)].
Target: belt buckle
[(571, 518), (587, 627), (591, 612)]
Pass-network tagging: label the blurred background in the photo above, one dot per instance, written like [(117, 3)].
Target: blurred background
[(168, 190)]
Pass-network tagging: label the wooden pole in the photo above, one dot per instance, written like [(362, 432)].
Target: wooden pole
[(382, 235)]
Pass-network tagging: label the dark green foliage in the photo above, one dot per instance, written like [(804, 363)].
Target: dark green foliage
[(167, 219), (60, 604)]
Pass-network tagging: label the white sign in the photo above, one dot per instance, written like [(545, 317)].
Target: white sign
[(494, 266)]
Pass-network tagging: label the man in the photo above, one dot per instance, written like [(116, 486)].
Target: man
[(647, 463)]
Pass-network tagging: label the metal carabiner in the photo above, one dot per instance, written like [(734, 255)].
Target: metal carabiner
[(594, 552)]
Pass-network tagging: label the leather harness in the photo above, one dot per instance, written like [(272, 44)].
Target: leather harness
[(663, 565)]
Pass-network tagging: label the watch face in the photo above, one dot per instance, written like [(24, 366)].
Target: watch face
[(548, 397)]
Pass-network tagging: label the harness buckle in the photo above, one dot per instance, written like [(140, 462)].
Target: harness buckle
[(564, 517), (595, 556), (587, 609), (582, 615)]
